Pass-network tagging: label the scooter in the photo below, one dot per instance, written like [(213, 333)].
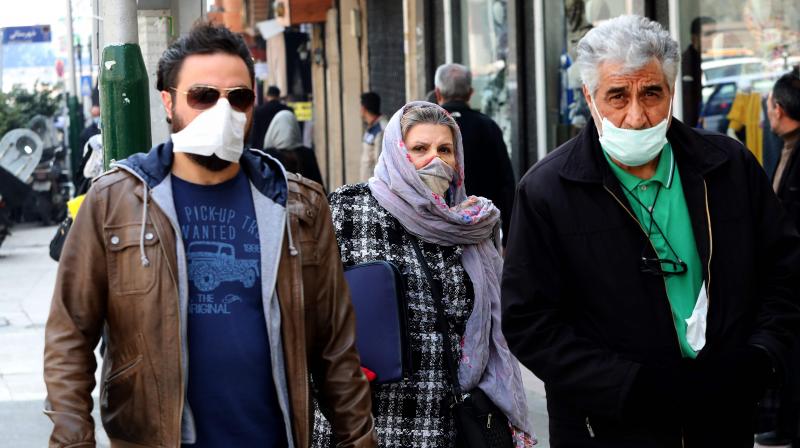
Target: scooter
[(50, 182), (20, 152)]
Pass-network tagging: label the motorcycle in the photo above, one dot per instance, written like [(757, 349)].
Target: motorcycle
[(20, 152), (51, 183)]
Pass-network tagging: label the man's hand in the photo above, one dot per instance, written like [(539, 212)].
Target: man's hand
[(655, 395), (732, 376)]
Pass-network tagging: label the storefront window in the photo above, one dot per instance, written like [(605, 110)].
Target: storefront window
[(733, 51), (485, 30)]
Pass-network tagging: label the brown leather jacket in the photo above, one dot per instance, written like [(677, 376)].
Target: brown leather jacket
[(103, 288)]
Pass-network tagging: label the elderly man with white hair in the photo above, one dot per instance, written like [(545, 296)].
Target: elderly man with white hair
[(487, 167), (651, 277)]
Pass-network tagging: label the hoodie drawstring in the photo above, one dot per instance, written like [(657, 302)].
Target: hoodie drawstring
[(145, 260), (292, 250)]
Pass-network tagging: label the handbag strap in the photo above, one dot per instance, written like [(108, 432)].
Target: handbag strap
[(441, 323)]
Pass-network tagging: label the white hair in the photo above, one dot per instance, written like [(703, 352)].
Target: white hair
[(630, 40), (454, 81)]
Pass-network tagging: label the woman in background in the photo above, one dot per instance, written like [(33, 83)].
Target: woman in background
[(283, 142)]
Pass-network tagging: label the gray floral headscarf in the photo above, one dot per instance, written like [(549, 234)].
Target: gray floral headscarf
[(486, 360)]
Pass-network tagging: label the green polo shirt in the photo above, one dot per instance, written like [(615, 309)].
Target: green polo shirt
[(672, 216)]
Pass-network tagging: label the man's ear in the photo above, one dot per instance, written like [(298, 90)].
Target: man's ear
[(439, 99), (778, 110), (166, 100), (471, 91), (586, 95)]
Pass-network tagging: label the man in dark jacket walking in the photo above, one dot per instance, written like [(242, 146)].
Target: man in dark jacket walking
[(651, 275), (487, 168), (263, 115), (783, 112)]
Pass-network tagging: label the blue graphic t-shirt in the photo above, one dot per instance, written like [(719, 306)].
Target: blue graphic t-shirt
[(231, 390)]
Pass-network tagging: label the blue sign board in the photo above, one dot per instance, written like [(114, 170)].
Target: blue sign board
[(26, 34), (86, 85)]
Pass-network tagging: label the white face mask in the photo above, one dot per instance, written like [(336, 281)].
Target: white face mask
[(219, 130), (633, 147), (437, 175)]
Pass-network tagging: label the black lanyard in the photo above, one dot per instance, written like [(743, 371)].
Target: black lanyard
[(656, 265)]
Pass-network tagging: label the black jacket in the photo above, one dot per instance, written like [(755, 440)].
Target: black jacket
[(262, 117), (789, 188), (578, 312), (789, 195), (692, 85), (487, 168)]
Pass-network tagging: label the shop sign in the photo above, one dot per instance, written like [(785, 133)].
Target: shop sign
[(26, 34), (302, 110)]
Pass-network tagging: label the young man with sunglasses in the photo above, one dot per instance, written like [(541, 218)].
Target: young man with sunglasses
[(213, 277), (651, 277)]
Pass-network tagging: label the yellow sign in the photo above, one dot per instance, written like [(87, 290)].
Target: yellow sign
[(302, 110)]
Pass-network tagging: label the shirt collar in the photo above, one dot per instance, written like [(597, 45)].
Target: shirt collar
[(791, 138), (665, 171)]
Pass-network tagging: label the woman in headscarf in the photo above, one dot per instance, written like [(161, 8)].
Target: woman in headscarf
[(417, 193), (283, 142)]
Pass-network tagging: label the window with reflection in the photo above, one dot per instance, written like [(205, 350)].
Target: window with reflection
[(484, 27), (733, 51)]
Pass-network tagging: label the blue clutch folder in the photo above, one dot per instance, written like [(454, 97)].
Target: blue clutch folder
[(376, 289)]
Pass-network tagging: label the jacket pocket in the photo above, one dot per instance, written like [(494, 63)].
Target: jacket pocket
[(129, 405), (128, 273), (303, 223)]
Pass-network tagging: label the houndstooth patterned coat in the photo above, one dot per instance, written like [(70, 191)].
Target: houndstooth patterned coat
[(412, 413)]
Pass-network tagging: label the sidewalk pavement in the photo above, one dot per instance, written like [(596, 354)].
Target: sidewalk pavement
[(27, 276)]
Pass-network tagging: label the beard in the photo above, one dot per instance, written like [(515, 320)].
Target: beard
[(212, 162)]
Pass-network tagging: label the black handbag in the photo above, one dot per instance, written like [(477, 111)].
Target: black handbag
[(479, 422), (57, 243)]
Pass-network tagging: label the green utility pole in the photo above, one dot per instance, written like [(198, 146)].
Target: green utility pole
[(75, 112), (124, 94)]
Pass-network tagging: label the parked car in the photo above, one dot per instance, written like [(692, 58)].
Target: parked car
[(719, 94)]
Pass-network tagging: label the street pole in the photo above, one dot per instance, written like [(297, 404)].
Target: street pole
[(1, 59), (73, 105), (73, 85), (124, 95)]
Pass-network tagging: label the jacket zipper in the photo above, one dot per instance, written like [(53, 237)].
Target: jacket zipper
[(180, 350), (710, 253), (677, 339), (589, 428), (181, 383), (299, 289)]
